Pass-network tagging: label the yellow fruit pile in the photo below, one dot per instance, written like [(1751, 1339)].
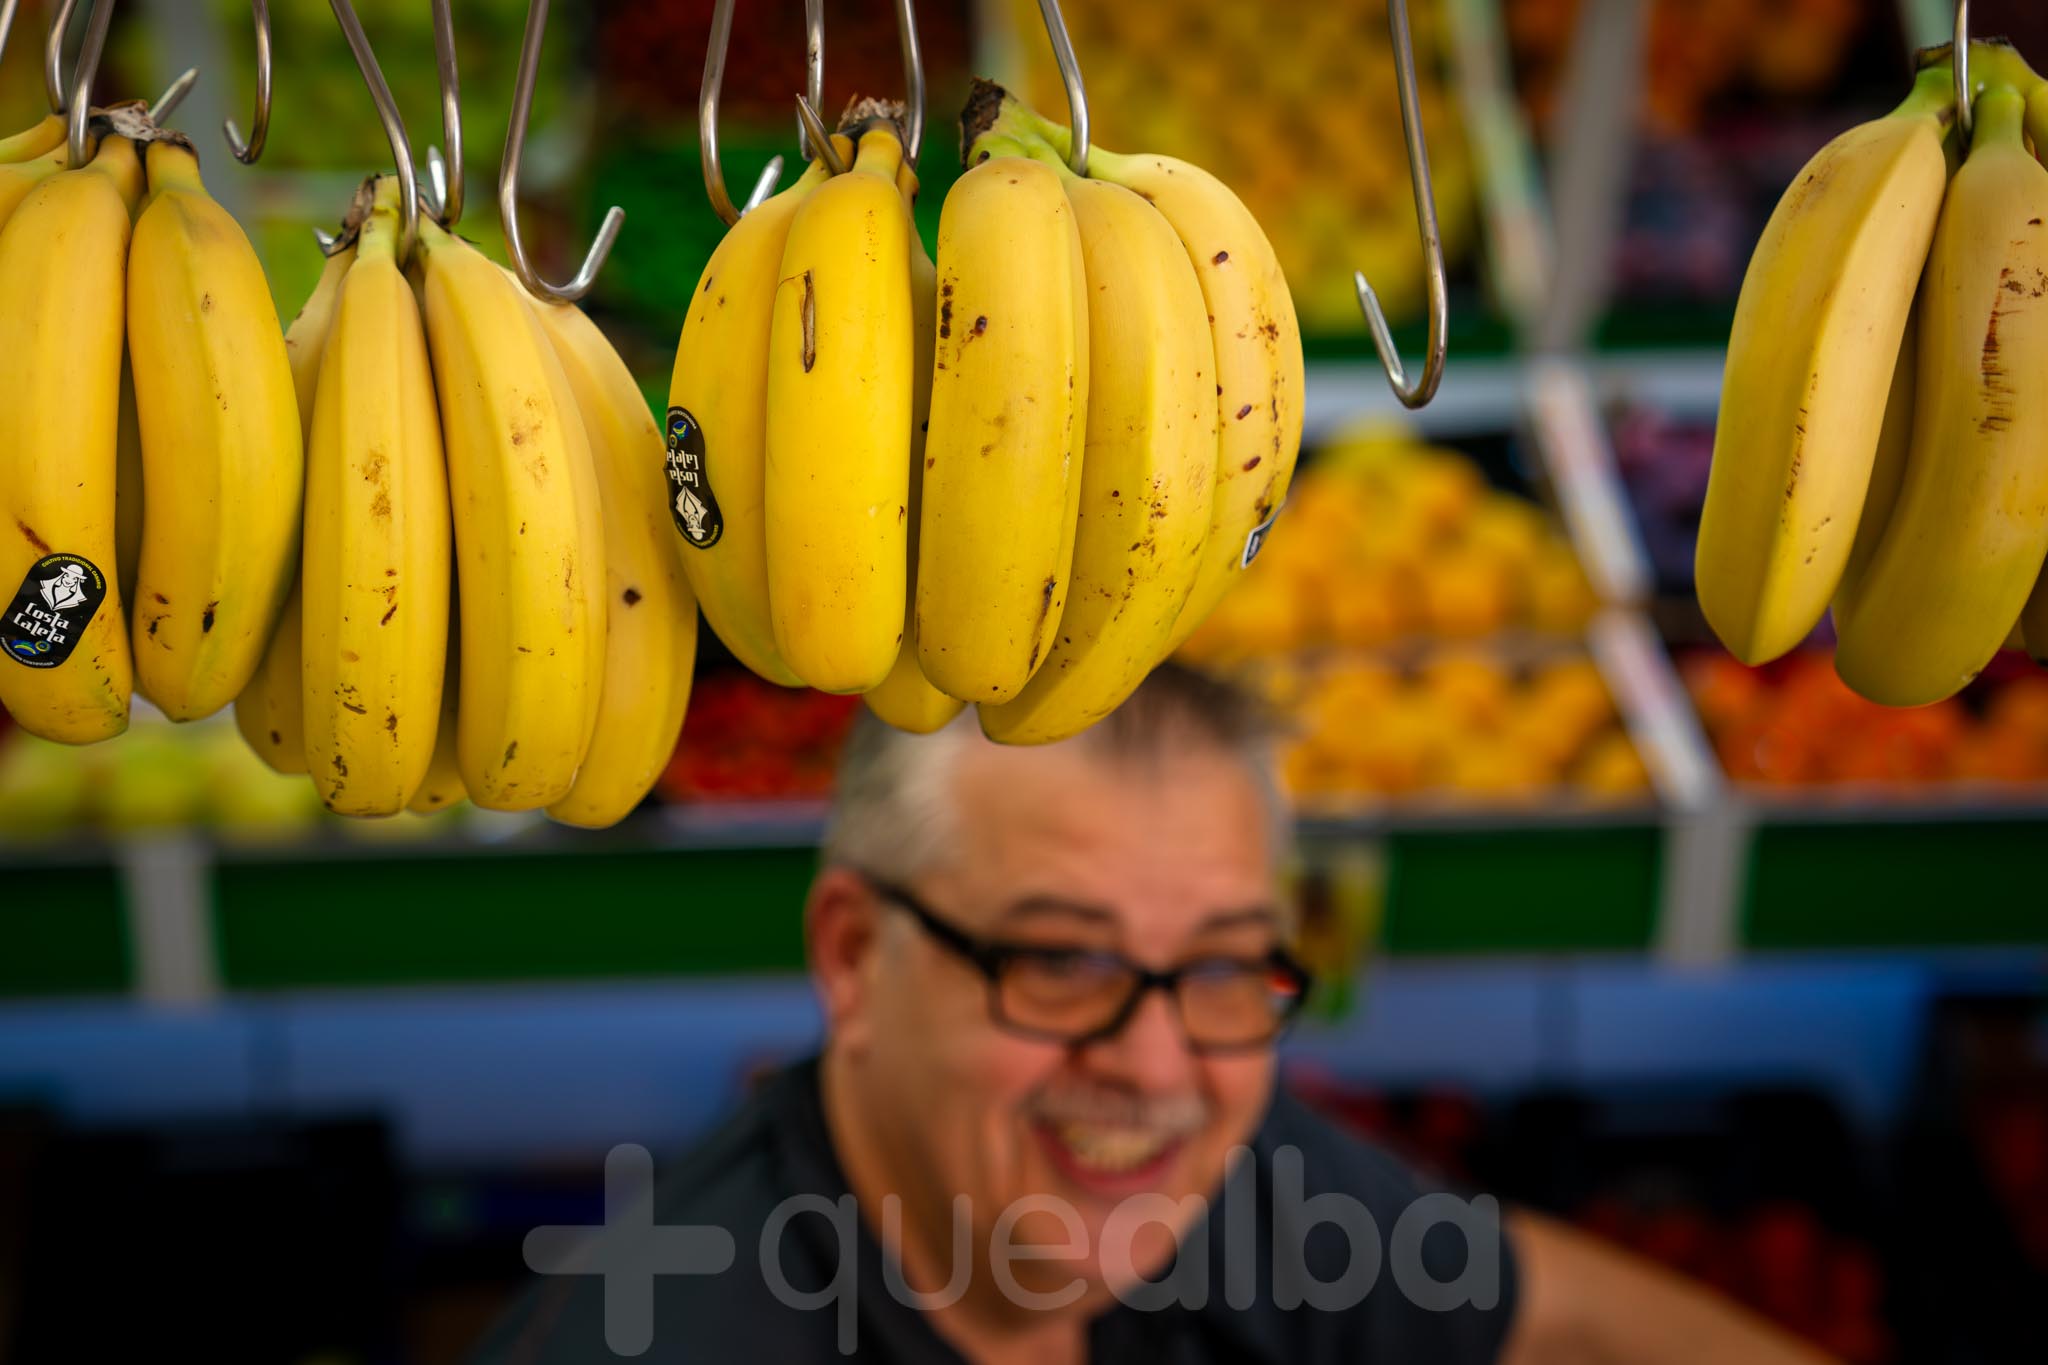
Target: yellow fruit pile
[(1465, 726), (1880, 447), (1309, 133), (1389, 540), (1016, 477)]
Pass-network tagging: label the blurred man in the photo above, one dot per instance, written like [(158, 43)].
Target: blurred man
[(1044, 1125)]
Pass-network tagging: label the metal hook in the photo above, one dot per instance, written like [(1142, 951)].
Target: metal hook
[(80, 108), (445, 175), (53, 54), (815, 133), (259, 126), (1070, 77), (1424, 388), (7, 8), (394, 126), (1960, 55), (508, 179), (714, 81), (173, 95), (913, 80), (764, 184)]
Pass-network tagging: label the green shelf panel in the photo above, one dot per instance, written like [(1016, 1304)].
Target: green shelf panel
[(63, 932), (1882, 884), (1555, 890), (512, 916)]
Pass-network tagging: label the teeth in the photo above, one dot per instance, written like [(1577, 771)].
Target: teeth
[(1111, 1150)]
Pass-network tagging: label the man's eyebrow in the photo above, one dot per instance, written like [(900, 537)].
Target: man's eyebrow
[(1262, 916), (1043, 906)]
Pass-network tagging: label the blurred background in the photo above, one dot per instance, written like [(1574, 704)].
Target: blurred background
[(1722, 963)]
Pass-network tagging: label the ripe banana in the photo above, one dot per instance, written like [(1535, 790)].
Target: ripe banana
[(17, 178), (223, 464), (442, 787), (271, 711), (1148, 477), (1969, 532), (1256, 338), (1009, 412), (374, 575), (651, 618), (906, 699), (529, 539), (836, 489), (66, 674), (1822, 309), (716, 427), (1887, 469), (32, 141)]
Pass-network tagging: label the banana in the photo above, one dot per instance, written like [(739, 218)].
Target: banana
[(651, 618), (67, 673), (1257, 342), (374, 575), (718, 404), (1887, 469), (529, 539), (1009, 412), (17, 178), (32, 141), (442, 787), (1822, 308), (1149, 474), (836, 488), (127, 488), (906, 699), (1968, 535), (223, 464), (271, 711)]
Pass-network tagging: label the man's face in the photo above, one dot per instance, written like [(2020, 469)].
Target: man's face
[(1059, 848)]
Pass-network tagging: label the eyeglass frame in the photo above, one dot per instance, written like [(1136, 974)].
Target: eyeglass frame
[(989, 957)]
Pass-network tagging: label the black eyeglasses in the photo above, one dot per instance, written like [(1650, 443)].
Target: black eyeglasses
[(1081, 995)]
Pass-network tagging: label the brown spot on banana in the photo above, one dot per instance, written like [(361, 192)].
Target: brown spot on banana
[(42, 546), (810, 316)]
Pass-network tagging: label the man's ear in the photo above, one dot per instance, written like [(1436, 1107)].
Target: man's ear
[(842, 936)]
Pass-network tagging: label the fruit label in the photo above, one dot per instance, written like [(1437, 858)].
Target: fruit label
[(694, 508), (50, 612), (1256, 540)]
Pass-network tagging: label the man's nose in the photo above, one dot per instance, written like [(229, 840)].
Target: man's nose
[(1150, 1052)]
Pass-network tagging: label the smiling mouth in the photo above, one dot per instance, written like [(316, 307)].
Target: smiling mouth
[(1103, 1154)]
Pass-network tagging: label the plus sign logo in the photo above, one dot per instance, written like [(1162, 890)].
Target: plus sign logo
[(629, 1250)]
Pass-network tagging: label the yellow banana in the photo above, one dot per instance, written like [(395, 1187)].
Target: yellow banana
[(529, 539), (1257, 342), (66, 674), (1009, 412), (1148, 477), (32, 141), (223, 464), (906, 699), (374, 575), (1822, 309), (271, 711), (17, 178), (715, 428), (442, 787), (1967, 537), (651, 618), (836, 488), (1887, 469)]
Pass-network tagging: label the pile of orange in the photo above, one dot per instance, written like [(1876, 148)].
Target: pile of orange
[(1794, 723)]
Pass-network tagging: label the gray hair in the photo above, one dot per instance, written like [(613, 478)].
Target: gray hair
[(893, 814)]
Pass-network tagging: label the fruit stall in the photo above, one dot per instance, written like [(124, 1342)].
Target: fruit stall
[(397, 781)]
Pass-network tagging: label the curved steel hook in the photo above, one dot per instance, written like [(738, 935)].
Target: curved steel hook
[(913, 80), (1070, 77), (1966, 119), (508, 179), (714, 81), (7, 8), (445, 175), (1424, 387), (53, 54), (259, 125), (819, 136), (79, 111), (173, 96), (394, 126)]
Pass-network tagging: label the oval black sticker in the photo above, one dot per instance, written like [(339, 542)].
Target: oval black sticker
[(693, 506), (49, 614)]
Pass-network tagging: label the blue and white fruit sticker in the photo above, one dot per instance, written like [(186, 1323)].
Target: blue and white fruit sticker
[(692, 505), (51, 610)]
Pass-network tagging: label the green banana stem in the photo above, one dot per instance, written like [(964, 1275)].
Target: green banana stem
[(1999, 114)]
